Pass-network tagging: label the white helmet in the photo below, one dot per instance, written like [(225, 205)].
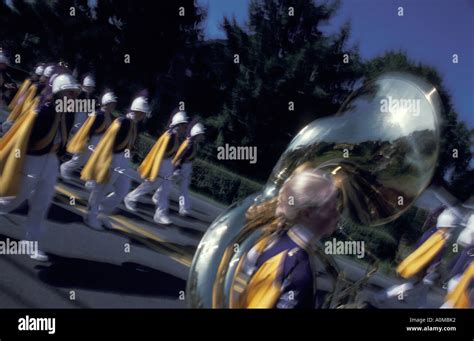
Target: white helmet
[(108, 97), (64, 82), (140, 104), (197, 129), (39, 70), (4, 59), (88, 81), (48, 71), (466, 237), (178, 118), (447, 218)]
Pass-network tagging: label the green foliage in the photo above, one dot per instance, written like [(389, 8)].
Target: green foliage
[(221, 185), (377, 240), (282, 59)]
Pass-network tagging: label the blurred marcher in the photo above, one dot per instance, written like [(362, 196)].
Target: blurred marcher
[(88, 136), (38, 136), (461, 283), (110, 164), (183, 163), (157, 169)]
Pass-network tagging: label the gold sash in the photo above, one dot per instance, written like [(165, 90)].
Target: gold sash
[(459, 297), (21, 91), (22, 103), (97, 167), (180, 151), (78, 143), (150, 166), (13, 147), (419, 258)]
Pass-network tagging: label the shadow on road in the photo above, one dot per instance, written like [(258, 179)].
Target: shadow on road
[(128, 278)]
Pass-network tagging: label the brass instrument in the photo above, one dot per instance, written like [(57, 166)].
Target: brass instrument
[(381, 149)]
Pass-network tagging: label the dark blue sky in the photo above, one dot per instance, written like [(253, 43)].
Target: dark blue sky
[(430, 31)]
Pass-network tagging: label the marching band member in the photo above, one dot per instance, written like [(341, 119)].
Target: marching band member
[(277, 271), (461, 284), (25, 94), (37, 73), (157, 169), (88, 93), (429, 249), (420, 267), (44, 80), (29, 157), (88, 136), (110, 162), (183, 163)]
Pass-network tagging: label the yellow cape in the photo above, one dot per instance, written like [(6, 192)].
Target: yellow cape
[(78, 143), (13, 146), (150, 166), (97, 167), (419, 258), (264, 287), (23, 88), (180, 151), (459, 297), (22, 103)]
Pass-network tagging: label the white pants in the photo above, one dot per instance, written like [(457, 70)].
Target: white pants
[(78, 160), (108, 196), (38, 179), (162, 185), (184, 179)]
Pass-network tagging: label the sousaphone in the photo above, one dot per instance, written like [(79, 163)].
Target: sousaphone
[(381, 149)]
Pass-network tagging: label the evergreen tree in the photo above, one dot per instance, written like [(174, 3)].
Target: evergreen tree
[(284, 59)]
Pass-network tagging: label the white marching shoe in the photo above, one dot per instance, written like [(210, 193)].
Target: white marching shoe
[(162, 219), (65, 174), (130, 205)]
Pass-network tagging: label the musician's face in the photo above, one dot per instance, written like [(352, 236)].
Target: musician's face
[(199, 138), (110, 107), (181, 129), (88, 89), (139, 116)]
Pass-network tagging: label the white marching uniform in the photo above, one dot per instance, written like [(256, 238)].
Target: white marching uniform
[(79, 159), (38, 180), (161, 186), (105, 197), (40, 168), (184, 180)]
